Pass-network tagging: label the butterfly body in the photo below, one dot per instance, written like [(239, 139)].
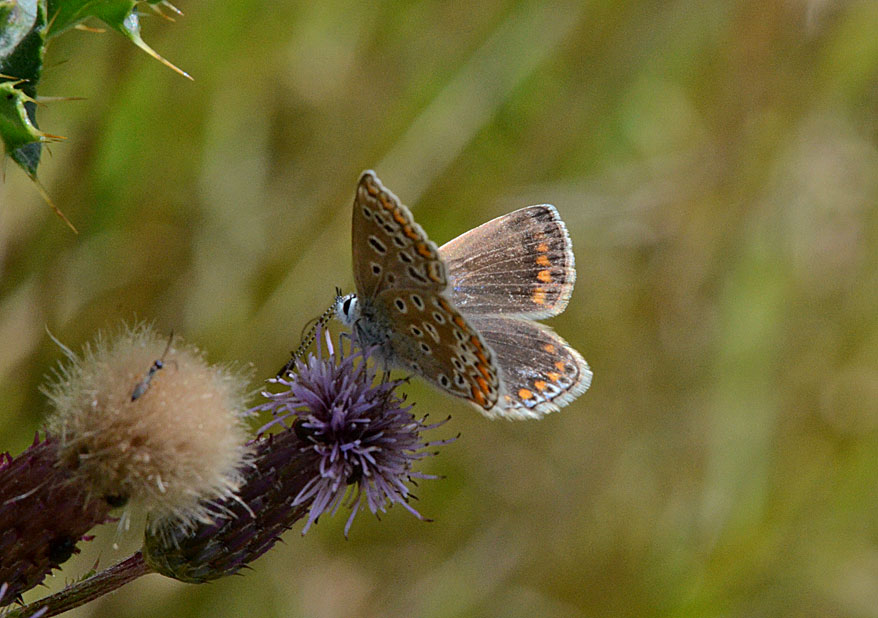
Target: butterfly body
[(462, 316)]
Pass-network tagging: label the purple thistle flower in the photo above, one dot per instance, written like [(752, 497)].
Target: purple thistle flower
[(363, 433), (346, 429)]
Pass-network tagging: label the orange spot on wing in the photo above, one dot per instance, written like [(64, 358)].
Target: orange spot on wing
[(545, 276), (525, 394), (553, 376), (434, 272), (542, 260), (410, 232), (424, 250), (459, 321), (538, 296), (560, 366), (483, 369), (477, 396), (549, 348), (542, 247), (540, 385), (400, 218), (483, 384)]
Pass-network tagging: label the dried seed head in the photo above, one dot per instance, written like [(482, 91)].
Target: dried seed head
[(140, 418)]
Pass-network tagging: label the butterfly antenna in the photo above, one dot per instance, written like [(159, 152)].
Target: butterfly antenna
[(308, 339), (310, 322), (168, 347)]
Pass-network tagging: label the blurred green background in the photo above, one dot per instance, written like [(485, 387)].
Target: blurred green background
[(716, 164)]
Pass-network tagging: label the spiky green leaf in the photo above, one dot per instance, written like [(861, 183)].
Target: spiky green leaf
[(120, 15), (22, 44)]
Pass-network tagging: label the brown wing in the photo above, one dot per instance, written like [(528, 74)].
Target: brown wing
[(389, 249), (518, 264), (432, 339)]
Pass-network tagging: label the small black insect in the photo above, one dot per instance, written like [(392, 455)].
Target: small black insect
[(143, 385)]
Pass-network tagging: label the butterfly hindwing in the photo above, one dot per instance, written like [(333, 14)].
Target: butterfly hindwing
[(518, 264), (539, 371)]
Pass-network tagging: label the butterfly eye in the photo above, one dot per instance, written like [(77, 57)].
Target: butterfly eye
[(348, 305), (116, 500)]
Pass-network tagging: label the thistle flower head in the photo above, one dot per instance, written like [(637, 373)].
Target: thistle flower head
[(365, 436), (344, 432), (139, 418)]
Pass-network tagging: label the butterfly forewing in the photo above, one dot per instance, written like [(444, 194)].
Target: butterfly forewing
[(518, 264), (540, 372), (390, 250), (402, 286)]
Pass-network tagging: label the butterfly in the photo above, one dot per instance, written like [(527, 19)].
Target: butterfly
[(462, 316)]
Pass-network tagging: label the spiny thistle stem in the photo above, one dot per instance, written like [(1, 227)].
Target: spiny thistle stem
[(87, 590)]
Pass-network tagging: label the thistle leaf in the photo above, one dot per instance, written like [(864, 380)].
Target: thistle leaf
[(120, 15), (22, 44)]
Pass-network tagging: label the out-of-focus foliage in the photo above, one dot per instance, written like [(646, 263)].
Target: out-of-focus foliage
[(717, 166), (25, 29)]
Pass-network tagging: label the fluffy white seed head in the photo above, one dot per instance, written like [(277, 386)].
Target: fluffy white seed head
[(167, 435)]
